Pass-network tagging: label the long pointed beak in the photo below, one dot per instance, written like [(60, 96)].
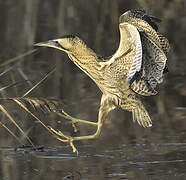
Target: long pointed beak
[(50, 43)]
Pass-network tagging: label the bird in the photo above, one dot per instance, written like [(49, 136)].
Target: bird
[(133, 71)]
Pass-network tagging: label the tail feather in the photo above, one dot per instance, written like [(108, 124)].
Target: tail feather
[(140, 115)]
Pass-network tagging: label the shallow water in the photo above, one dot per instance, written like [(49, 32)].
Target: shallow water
[(124, 161), (124, 151)]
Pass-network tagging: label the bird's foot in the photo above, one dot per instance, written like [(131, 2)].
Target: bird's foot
[(63, 138)]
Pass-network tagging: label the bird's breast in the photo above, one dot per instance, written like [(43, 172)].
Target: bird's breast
[(114, 78)]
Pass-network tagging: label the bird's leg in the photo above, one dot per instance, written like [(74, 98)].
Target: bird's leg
[(75, 120), (107, 104)]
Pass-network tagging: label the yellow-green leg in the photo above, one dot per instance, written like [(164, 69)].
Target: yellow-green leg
[(107, 104)]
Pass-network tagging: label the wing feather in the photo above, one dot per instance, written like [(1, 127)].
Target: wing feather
[(137, 47), (154, 62), (130, 48)]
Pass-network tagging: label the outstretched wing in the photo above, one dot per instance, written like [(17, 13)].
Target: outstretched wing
[(130, 41), (155, 48), (137, 48), (137, 83), (129, 53), (154, 62)]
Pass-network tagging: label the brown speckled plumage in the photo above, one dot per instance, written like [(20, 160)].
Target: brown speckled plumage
[(155, 48), (135, 69)]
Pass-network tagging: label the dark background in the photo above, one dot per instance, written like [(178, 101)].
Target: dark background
[(123, 146)]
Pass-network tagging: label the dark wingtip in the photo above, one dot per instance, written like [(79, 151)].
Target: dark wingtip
[(166, 69), (152, 21), (138, 11), (155, 19)]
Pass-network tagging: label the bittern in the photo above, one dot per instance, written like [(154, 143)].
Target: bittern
[(136, 68)]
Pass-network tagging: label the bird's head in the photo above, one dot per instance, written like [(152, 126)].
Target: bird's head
[(67, 43), (139, 15)]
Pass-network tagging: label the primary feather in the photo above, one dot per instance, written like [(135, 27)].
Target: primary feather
[(155, 47)]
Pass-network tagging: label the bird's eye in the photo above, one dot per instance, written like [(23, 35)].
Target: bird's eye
[(57, 44)]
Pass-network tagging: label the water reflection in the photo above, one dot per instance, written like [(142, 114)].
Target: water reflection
[(124, 161)]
